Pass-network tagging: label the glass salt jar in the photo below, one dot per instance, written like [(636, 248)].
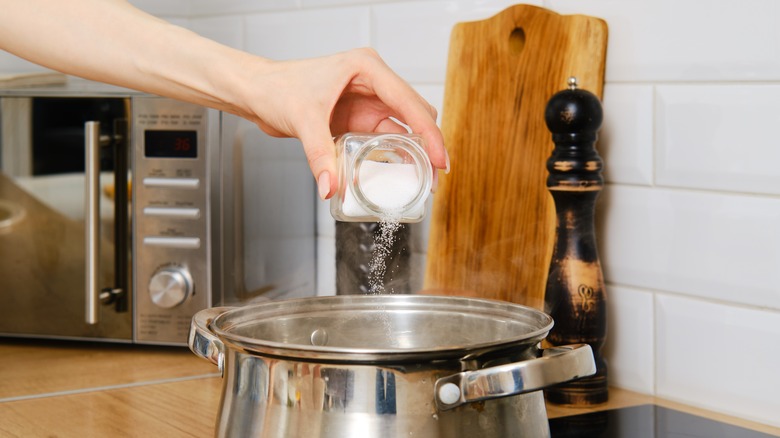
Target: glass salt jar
[(382, 177)]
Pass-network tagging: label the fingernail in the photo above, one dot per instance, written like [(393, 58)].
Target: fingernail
[(323, 184), (447, 156)]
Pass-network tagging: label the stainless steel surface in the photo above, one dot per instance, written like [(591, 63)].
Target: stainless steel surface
[(557, 364), (172, 254), (42, 258), (170, 286), (92, 219), (382, 327), (367, 366), (232, 223), (202, 341)]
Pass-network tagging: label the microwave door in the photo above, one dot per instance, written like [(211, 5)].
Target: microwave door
[(45, 248)]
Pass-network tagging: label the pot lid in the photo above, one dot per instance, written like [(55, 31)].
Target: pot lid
[(380, 327)]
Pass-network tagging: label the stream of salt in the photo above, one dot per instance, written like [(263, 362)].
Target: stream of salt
[(390, 186), (383, 245)]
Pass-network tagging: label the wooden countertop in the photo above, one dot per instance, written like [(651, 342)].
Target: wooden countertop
[(73, 389)]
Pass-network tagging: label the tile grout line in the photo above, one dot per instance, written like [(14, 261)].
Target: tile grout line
[(106, 388), (693, 297)]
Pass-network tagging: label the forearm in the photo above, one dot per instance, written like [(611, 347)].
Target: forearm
[(134, 50), (313, 100)]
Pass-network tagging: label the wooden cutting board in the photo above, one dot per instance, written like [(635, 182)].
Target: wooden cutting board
[(493, 220)]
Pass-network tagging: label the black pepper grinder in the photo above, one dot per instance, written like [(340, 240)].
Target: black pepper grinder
[(575, 295)]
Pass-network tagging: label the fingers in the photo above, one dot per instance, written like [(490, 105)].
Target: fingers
[(321, 154), (435, 147), (388, 125), (395, 126), (343, 92), (410, 107)]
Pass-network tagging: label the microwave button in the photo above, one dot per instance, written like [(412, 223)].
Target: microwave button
[(173, 242), (172, 183), (178, 213), (170, 286)]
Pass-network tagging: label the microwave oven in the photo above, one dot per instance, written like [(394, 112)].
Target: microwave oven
[(122, 214)]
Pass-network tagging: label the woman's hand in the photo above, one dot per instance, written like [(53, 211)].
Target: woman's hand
[(318, 99), (312, 99)]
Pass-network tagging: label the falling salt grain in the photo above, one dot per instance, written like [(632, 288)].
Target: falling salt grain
[(383, 244), (391, 187)]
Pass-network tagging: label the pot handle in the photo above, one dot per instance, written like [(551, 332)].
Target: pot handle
[(202, 340), (556, 365)]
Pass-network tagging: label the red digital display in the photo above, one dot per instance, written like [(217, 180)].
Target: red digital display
[(170, 144)]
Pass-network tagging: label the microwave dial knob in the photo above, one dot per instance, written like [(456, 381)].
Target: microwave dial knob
[(170, 286)]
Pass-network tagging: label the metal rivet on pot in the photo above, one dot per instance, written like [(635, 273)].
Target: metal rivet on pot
[(449, 393), (319, 337)]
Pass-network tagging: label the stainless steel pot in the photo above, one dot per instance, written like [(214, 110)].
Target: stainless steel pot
[(384, 366)]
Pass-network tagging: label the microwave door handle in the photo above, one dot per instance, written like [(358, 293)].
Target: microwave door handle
[(118, 295), (92, 218)]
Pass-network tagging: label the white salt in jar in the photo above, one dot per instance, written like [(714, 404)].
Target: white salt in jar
[(382, 177)]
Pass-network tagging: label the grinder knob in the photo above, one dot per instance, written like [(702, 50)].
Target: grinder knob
[(573, 111), (574, 117), (170, 286)]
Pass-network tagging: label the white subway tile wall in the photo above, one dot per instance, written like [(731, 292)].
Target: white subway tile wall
[(412, 43), (630, 346), (326, 225), (706, 244), (413, 37), (687, 40), (718, 137), (717, 355), (239, 7), (307, 33), (626, 136), (687, 223), (279, 165), (165, 8), (326, 264), (12, 64)]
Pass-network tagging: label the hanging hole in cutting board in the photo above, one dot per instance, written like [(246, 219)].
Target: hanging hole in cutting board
[(517, 40)]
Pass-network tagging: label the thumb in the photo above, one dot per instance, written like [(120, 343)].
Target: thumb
[(321, 154)]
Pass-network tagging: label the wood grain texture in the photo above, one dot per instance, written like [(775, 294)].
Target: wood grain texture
[(38, 367), (177, 409), (493, 220)]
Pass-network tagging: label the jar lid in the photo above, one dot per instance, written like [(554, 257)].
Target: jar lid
[(381, 327)]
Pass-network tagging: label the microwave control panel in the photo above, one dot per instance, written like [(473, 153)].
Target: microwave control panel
[(173, 161)]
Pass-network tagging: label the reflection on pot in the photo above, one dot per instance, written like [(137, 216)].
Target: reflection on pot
[(471, 368)]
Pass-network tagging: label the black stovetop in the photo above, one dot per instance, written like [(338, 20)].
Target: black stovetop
[(645, 421)]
